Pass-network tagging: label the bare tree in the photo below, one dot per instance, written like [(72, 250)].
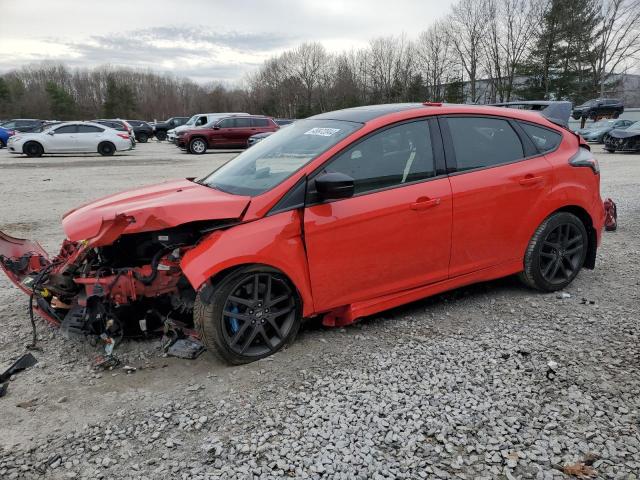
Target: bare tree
[(619, 38), (467, 29), (434, 54)]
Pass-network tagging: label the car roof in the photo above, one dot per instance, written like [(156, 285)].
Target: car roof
[(372, 112)]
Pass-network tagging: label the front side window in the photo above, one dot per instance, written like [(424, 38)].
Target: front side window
[(226, 123), (278, 156), (201, 121), (483, 142), (392, 157), (66, 129), (543, 138)]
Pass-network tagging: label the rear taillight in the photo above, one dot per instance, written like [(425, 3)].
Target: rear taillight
[(124, 135), (584, 158)]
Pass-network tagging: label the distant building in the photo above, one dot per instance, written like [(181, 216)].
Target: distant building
[(624, 86)]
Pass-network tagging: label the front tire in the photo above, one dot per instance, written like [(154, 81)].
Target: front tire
[(197, 146), (143, 138), (253, 313), (33, 149), (556, 253), (161, 135), (106, 149)]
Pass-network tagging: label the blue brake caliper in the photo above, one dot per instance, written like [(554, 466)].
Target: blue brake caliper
[(234, 325)]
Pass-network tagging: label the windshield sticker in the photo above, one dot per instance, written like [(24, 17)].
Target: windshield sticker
[(323, 132)]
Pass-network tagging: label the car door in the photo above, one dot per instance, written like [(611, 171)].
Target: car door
[(222, 133), (88, 138), (62, 139), (498, 179), (242, 130), (394, 233)]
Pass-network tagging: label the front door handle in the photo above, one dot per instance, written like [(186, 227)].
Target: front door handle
[(530, 180), (424, 203)]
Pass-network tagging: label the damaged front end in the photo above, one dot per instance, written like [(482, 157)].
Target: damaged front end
[(113, 285)]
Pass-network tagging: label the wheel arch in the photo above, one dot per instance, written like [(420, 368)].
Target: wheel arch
[(102, 142), (587, 221), (24, 146)]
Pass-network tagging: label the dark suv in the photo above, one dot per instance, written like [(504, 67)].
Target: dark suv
[(160, 128), (226, 132), (142, 130), (600, 107)]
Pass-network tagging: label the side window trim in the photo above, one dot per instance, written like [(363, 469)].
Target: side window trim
[(312, 194)]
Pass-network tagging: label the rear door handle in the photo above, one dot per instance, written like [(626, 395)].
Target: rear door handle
[(423, 203), (530, 180)]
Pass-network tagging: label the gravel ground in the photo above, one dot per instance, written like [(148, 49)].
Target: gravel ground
[(454, 386)]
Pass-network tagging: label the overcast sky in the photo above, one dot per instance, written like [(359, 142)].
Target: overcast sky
[(201, 39)]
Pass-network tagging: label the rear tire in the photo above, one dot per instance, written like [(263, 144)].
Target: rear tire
[(2, 145), (143, 138), (106, 149), (33, 149), (556, 253), (197, 146), (240, 326)]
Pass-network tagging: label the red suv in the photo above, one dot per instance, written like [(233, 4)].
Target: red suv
[(341, 215), (226, 132)]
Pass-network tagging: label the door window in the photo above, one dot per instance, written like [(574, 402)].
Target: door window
[(226, 123), (242, 122), (392, 157), (201, 121), (66, 129), (89, 129), (483, 142)]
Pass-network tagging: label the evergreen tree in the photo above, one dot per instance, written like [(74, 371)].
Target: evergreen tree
[(62, 103), (119, 100)]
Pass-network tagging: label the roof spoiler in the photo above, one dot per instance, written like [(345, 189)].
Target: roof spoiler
[(556, 112)]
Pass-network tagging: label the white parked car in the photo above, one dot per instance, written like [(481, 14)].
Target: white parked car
[(70, 137), (200, 120)]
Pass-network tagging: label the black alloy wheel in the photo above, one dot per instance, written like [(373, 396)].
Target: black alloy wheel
[(161, 135), (33, 149), (252, 314), (561, 254), (106, 149), (556, 252), (143, 137)]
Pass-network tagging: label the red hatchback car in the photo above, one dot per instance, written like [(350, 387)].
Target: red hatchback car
[(341, 215), (226, 132)]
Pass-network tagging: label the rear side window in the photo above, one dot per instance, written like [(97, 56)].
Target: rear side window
[(544, 139), (226, 123), (260, 122), (483, 142), (89, 129), (67, 129), (242, 122), (392, 157)]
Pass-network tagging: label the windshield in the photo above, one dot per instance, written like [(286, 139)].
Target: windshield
[(278, 156), (192, 120), (634, 126)]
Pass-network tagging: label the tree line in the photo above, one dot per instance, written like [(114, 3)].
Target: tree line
[(482, 51)]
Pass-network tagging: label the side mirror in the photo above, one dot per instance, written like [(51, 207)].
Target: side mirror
[(216, 127), (51, 132), (334, 185)]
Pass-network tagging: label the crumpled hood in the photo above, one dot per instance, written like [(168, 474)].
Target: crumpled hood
[(152, 208), (624, 133)]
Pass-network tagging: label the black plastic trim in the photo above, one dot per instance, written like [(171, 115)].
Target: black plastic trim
[(293, 199)]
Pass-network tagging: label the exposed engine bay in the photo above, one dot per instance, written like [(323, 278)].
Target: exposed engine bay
[(131, 287)]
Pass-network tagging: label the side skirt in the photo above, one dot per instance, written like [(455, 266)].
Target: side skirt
[(350, 313)]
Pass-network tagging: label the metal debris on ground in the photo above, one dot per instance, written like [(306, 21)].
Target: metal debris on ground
[(25, 361), (185, 348)]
